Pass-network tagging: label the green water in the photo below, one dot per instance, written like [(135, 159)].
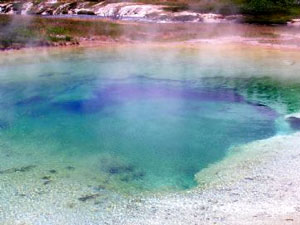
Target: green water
[(147, 118)]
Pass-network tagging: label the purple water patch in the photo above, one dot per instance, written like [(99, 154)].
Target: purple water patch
[(264, 109), (294, 122), (122, 93), (135, 91)]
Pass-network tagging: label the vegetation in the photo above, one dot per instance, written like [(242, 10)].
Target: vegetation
[(256, 11), (269, 91), (270, 11), (275, 91), (17, 32)]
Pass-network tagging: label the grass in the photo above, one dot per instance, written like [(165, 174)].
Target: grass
[(19, 31)]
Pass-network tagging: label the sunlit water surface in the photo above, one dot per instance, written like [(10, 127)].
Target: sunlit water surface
[(147, 118)]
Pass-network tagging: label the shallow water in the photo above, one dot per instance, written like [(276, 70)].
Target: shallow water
[(142, 118)]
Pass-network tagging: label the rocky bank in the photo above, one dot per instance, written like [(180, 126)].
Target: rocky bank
[(121, 11)]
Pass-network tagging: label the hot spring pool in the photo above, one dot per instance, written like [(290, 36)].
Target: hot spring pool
[(139, 118)]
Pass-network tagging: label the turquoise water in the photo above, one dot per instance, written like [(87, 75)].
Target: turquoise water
[(144, 118)]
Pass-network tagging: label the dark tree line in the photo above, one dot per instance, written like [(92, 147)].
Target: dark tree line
[(269, 6)]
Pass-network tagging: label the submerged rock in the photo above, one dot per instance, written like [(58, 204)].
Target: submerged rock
[(294, 120), (88, 197), (46, 178), (52, 171), (70, 168), (22, 169), (120, 170)]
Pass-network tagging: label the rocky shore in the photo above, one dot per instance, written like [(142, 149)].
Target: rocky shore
[(257, 184), (122, 11)]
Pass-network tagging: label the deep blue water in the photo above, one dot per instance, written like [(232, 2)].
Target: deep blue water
[(151, 133)]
